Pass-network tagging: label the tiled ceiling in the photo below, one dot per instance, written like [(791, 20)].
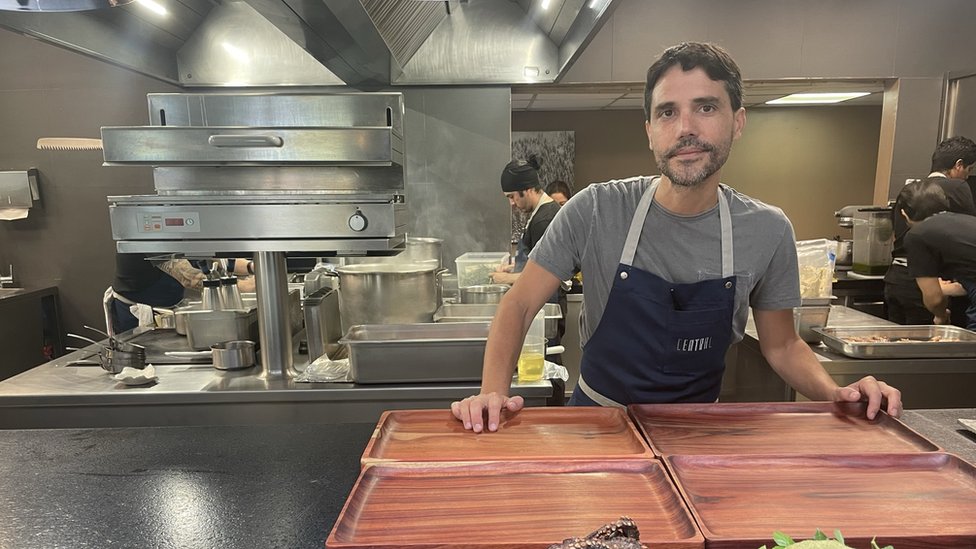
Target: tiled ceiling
[(630, 95)]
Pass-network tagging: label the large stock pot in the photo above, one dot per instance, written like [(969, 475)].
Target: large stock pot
[(418, 249), (387, 293)]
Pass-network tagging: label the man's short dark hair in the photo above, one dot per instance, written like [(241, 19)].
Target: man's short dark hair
[(922, 199), (950, 150), (715, 61)]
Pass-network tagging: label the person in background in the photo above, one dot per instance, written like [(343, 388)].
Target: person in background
[(671, 264), (560, 191), (141, 284), (139, 281), (940, 245), (952, 162), (520, 184)]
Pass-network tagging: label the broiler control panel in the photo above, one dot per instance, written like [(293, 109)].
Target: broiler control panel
[(169, 222)]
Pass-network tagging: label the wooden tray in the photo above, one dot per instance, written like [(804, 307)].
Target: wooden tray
[(509, 505), (773, 428), (533, 433), (911, 501)]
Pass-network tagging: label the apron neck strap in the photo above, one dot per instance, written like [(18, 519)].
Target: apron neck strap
[(637, 226)]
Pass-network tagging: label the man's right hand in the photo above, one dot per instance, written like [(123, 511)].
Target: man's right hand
[(471, 411)]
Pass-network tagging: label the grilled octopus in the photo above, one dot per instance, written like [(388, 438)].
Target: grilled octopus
[(622, 534)]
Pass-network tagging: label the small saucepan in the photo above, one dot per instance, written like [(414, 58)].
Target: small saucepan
[(228, 355)]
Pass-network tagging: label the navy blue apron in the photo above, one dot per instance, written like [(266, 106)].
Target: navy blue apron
[(658, 341)]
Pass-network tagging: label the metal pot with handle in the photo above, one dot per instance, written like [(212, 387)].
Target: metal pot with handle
[(417, 249), (227, 355), (380, 293)]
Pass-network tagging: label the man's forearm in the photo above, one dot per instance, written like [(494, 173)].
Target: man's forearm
[(503, 348), (799, 368)]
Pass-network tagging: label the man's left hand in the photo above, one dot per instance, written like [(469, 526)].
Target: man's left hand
[(876, 393)]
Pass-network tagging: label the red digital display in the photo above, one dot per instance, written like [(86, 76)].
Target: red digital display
[(174, 222)]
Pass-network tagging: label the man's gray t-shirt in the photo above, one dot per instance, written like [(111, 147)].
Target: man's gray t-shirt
[(589, 231)]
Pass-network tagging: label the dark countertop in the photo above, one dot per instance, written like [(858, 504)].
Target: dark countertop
[(12, 294), (220, 486), (180, 487)]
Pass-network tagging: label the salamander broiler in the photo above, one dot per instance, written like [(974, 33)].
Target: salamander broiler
[(264, 175)]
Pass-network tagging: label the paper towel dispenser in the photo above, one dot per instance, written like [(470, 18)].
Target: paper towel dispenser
[(18, 192)]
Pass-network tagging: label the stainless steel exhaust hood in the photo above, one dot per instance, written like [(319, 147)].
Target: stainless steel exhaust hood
[(366, 44)]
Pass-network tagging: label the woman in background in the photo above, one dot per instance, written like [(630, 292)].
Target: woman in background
[(559, 191)]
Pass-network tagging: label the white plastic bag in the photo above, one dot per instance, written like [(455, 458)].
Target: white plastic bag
[(816, 260)]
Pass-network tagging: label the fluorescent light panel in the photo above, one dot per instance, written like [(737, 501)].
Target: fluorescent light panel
[(816, 98)]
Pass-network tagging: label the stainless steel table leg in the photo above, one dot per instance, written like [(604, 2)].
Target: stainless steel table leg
[(274, 326)]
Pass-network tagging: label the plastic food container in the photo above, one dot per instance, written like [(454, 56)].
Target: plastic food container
[(475, 268), (806, 318)]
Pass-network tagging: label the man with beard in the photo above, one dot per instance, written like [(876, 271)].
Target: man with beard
[(671, 265)]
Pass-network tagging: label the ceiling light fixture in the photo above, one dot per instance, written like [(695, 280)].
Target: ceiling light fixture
[(816, 98), (153, 6), (545, 4)]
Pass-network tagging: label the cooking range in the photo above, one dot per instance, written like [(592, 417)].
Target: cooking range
[(262, 175)]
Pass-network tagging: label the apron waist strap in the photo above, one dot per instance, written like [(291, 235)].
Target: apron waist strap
[(595, 396)]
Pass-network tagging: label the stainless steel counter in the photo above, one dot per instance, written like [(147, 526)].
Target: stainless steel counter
[(925, 383), (58, 394)]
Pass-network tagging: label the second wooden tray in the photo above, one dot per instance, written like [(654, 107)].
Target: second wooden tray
[(911, 501), (511, 505), (533, 433), (773, 428)]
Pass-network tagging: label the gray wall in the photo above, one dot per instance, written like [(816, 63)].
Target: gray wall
[(458, 141), (66, 241)]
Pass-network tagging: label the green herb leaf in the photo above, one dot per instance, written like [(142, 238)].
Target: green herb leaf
[(782, 540), (838, 536), (818, 535)]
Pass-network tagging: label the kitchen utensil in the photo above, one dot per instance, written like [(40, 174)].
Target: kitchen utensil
[(114, 360), (378, 293), (808, 317), (227, 355), (233, 355), (230, 293), (484, 312), (407, 353), (205, 328), (894, 341), (417, 249), (69, 144), (211, 295), (83, 338), (531, 360), (474, 268), (483, 293), (844, 252)]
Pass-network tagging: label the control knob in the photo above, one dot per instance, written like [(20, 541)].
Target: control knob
[(358, 222)]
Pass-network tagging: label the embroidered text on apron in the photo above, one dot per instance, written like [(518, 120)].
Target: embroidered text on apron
[(658, 341)]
